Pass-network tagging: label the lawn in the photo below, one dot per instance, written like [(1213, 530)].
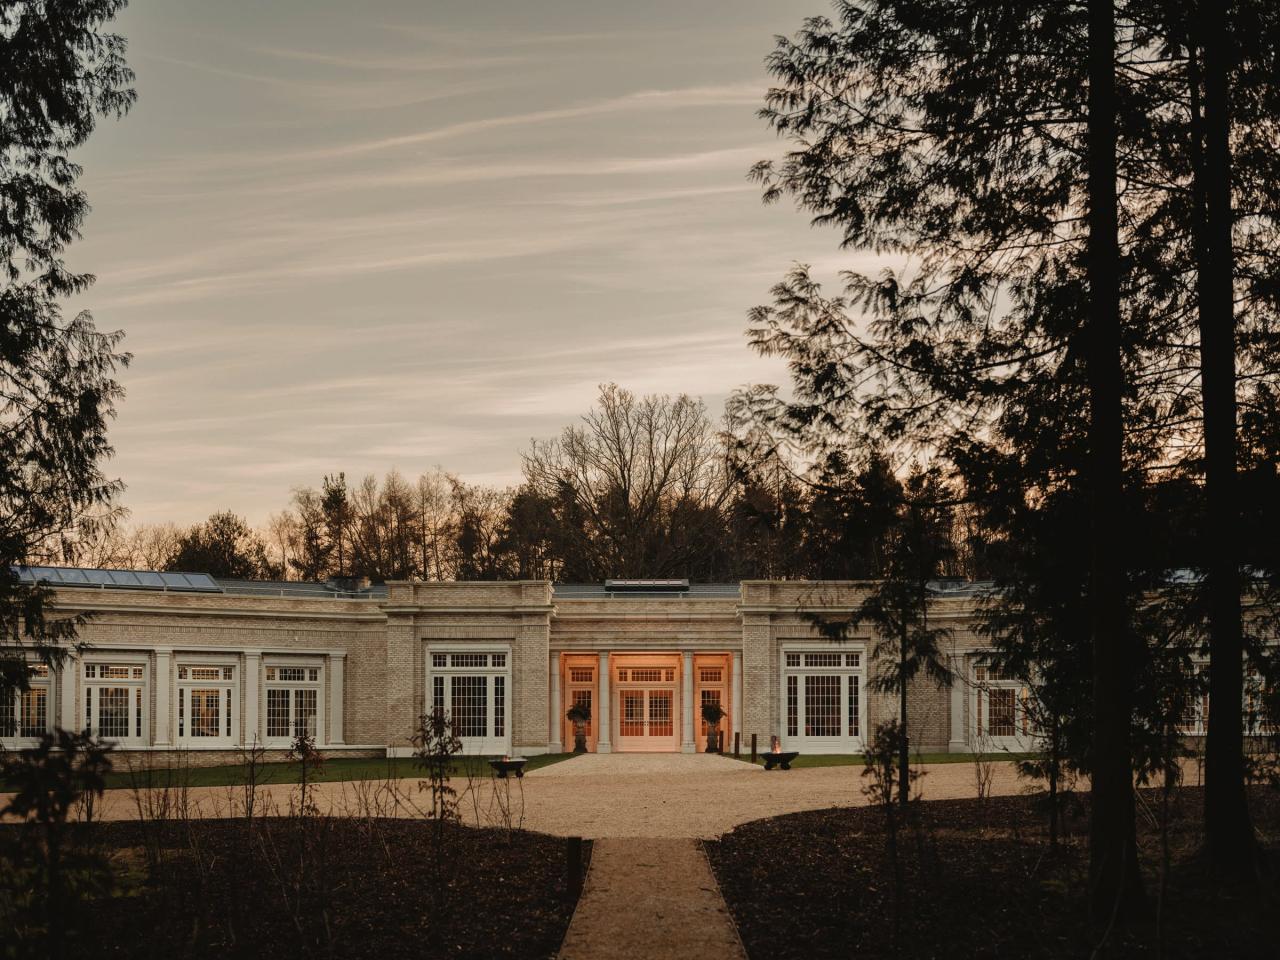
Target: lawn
[(978, 879), (857, 759), (333, 769)]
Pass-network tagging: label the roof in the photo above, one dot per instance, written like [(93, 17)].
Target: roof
[(162, 580), (300, 588), (601, 591), (172, 581)]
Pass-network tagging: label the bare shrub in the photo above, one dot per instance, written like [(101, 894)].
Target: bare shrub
[(435, 746)]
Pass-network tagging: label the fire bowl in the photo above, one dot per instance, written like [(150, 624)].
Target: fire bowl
[(501, 767), (782, 759)]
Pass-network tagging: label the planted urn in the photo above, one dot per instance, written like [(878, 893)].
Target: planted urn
[(712, 714), (579, 715)]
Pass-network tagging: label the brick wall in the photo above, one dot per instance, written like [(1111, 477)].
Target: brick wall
[(385, 642)]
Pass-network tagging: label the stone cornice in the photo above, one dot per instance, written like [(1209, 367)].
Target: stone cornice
[(204, 613)]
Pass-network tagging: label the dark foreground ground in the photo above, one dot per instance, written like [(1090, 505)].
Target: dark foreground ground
[(318, 887), (978, 881)]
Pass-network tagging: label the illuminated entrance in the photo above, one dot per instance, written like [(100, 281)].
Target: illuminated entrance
[(647, 712)]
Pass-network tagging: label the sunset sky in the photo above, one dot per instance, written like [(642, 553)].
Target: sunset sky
[(407, 234)]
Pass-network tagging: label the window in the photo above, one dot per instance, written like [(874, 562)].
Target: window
[(793, 705), (646, 675), (293, 674), (821, 700), (115, 698), (473, 689), (1257, 694), (822, 660), (469, 706), (1001, 705), (25, 714), (581, 675), (708, 697), (1000, 710), (854, 725), (293, 703), (500, 705), (1254, 705), (661, 717), (711, 675), (584, 697), (821, 705), (208, 704)]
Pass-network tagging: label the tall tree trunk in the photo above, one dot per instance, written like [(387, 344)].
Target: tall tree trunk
[(1115, 885), (904, 742), (1228, 828)]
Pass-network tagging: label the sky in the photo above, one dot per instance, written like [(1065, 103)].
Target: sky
[(360, 237)]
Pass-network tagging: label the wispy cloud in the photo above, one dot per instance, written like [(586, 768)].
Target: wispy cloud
[(385, 63), (344, 241)]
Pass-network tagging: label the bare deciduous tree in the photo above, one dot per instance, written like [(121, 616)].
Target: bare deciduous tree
[(636, 488)]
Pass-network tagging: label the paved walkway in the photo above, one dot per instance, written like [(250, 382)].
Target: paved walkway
[(601, 795), (648, 898)]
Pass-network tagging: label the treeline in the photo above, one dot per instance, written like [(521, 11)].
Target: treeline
[(640, 487), (651, 487)]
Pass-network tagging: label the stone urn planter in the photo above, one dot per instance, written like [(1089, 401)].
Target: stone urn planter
[(579, 715), (712, 714)]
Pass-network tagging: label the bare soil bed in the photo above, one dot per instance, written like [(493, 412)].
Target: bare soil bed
[(978, 881), (326, 887)]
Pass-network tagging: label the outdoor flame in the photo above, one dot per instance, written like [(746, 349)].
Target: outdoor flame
[(777, 745)]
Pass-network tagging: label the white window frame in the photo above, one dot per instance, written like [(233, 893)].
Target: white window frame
[(1255, 724), (14, 706), (229, 699), (851, 677), (491, 743), (1025, 732), (139, 695), (276, 664)]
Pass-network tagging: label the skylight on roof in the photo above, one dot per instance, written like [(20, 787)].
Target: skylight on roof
[(120, 579)]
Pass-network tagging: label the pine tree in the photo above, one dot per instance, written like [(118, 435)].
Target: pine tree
[(59, 71)]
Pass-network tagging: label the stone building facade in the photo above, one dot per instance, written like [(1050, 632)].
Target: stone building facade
[(208, 671)]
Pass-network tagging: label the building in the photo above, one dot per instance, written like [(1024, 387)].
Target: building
[(183, 662)]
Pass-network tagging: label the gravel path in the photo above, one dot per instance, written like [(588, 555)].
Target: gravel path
[(651, 898), (603, 795)]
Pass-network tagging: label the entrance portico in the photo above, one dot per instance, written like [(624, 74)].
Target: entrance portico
[(644, 702)]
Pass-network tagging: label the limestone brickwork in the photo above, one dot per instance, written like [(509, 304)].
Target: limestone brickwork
[(376, 650)]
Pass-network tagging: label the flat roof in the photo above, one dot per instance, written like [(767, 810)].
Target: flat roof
[(172, 581), (299, 588), (599, 591), (86, 577)]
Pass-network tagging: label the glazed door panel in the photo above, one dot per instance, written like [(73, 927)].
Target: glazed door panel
[(647, 720)]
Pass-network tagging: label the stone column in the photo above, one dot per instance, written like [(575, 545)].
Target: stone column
[(556, 724), (337, 681), (735, 694), (69, 718), (959, 742), (164, 685), (687, 743), (252, 691), (604, 722)]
